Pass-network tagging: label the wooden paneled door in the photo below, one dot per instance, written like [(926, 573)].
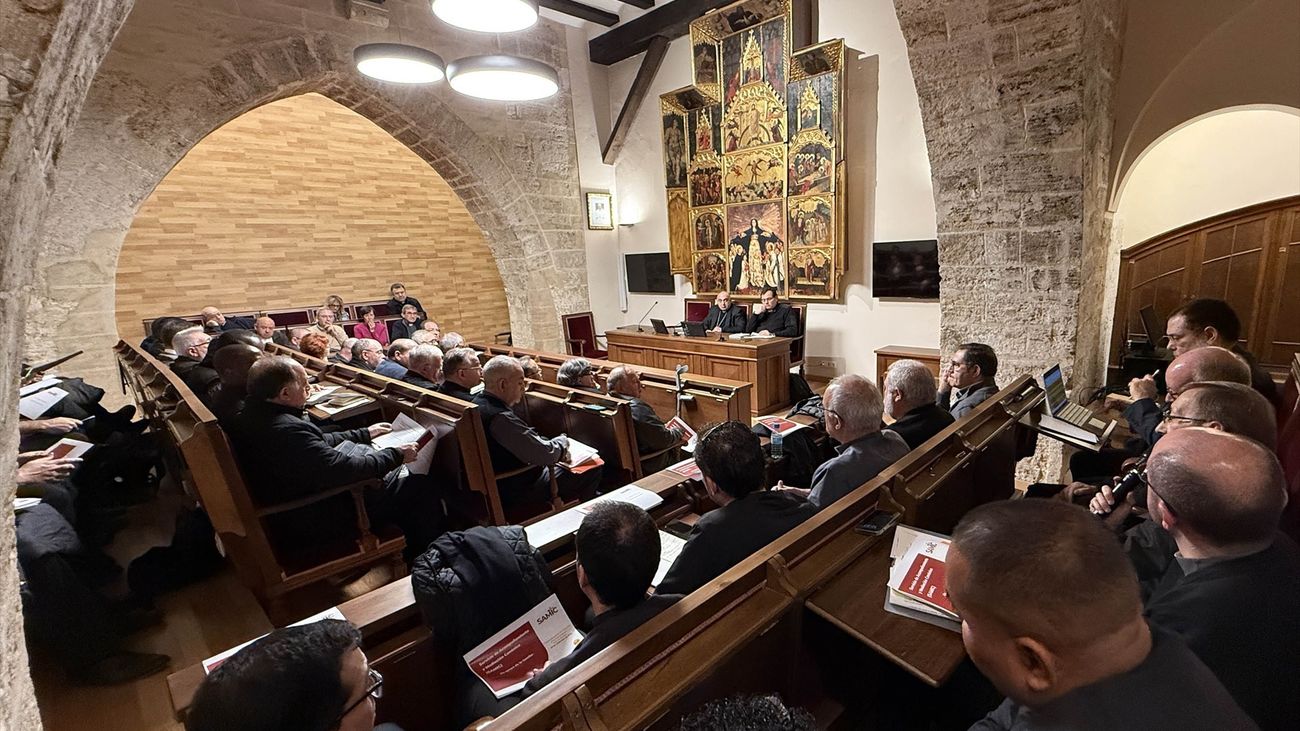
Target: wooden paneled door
[(1249, 257)]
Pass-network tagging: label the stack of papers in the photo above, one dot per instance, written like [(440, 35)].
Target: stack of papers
[(582, 457), (544, 532), (506, 660), (670, 547), (409, 431), (320, 394), (339, 404), (917, 586), (777, 425), (35, 404)]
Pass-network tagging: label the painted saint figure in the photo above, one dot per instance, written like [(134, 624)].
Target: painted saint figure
[(756, 255)]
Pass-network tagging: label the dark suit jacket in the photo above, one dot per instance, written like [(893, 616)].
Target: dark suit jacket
[(782, 322), (403, 329), (395, 307), (280, 337), (733, 320), (1143, 416), (726, 536), (455, 390), (1242, 618), (237, 323), (970, 398), (918, 425), (285, 456), (201, 379), (415, 379), (607, 629), (652, 435)]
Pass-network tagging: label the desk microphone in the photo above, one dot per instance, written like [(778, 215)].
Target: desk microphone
[(643, 317)]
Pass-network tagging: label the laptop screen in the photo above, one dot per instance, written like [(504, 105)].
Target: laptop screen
[(1151, 324), (1054, 384)]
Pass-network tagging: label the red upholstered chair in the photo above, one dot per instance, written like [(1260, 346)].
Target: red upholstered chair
[(697, 309), (580, 336)]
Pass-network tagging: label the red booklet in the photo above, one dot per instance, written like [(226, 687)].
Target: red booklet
[(688, 469), (924, 581)]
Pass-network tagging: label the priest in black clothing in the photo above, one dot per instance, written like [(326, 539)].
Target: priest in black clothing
[(400, 299), (776, 318), (461, 372), (408, 325), (910, 391), (284, 456), (725, 316), (731, 461), (1051, 615), (1232, 589), (424, 367)]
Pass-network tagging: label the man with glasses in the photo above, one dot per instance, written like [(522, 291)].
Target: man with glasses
[(370, 353), (191, 346), (1232, 588), (578, 373), (967, 381), (312, 677), (461, 372)]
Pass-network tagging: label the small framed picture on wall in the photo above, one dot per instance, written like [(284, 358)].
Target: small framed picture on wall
[(600, 211)]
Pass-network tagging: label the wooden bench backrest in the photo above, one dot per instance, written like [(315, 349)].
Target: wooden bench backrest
[(555, 409)]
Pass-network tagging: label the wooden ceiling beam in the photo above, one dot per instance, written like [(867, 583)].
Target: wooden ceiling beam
[(645, 76), (580, 11), (670, 21)]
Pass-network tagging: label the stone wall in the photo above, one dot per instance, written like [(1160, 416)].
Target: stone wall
[(1015, 97), (181, 68), (48, 54)]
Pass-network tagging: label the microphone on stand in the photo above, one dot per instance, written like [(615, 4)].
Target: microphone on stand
[(643, 317)]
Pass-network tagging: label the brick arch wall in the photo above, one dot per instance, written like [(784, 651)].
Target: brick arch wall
[(175, 74), (1016, 99)]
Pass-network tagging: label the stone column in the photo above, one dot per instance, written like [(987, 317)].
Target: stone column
[(49, 52), (1015, 98)]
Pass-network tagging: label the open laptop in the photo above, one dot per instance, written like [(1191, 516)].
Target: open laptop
[(1150, 323), (659, 326), (694, 328), (1059, 404)]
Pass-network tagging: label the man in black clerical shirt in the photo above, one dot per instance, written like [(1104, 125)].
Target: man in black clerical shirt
[(408, 325), (513, 444), (1232, 589), (1213, 322), (618, 554), (775, 318), (730, 458), (1051, 615), (461, 372), (400, 299), (651, 433), (910, 393), (424, 367), (725, 316)]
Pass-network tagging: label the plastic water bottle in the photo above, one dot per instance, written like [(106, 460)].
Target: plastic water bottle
[(778, 445)]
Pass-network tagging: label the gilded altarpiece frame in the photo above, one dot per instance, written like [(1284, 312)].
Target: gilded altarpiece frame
[(753, 158)]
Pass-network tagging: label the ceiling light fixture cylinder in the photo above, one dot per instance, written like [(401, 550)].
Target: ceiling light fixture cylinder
[(399, 63), (503, 78), (487, 16)]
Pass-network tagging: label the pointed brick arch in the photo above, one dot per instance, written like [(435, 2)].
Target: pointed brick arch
[(131, 136)]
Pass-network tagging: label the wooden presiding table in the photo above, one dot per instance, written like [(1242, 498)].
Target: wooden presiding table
[(764, 363)]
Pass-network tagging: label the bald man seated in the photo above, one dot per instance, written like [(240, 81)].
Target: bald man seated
[(1051, 615), (853, 407), (264, 327), (651, 434), (214, 320), (1233, 588), (232, 365)]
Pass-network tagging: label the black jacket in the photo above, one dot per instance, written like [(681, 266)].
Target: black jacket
[(280, 337), (403, 329), (1242, 618), (733, 320), (781, 322), (200, 379), (1143, 416), (918, 425), (415, 379), (237, 323), (652, 435), (455, 390), (726, 536), (395, 308), (285, 456)]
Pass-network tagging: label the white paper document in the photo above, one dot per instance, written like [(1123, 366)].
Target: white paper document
[(405, 431), (506, 660), (579, 453), (215, 661), (25, 503), (320, 394), (670, 547), (544, 532), (34, 406), (69, 448), (40, 385)]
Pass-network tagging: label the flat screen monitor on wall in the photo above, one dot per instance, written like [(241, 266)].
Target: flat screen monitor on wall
[(648, 274), (907, 269)]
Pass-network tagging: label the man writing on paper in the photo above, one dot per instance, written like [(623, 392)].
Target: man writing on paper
[(724, 317), (1023, 574), (514, 444), (284, 456), (618, 552), (651, 434)]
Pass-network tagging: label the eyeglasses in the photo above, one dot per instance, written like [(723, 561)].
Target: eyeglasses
[(374, 689), (1166, 414)]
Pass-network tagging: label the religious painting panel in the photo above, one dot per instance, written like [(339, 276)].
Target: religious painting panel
[(706, 181), (739, 16), (812, 273), (675, 160), (755, 175), (812, 163), (710, 274), (754, 57), (704, 61), (756, 248), (812, 104), (706, 130), (709, 229), (812, 221), (819, 59), (679, 231)]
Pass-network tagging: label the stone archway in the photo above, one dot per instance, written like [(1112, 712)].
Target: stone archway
[(513, 171)]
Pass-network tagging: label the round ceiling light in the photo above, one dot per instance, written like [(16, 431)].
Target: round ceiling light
[(487, 16), (399, 63), (503, 78)]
